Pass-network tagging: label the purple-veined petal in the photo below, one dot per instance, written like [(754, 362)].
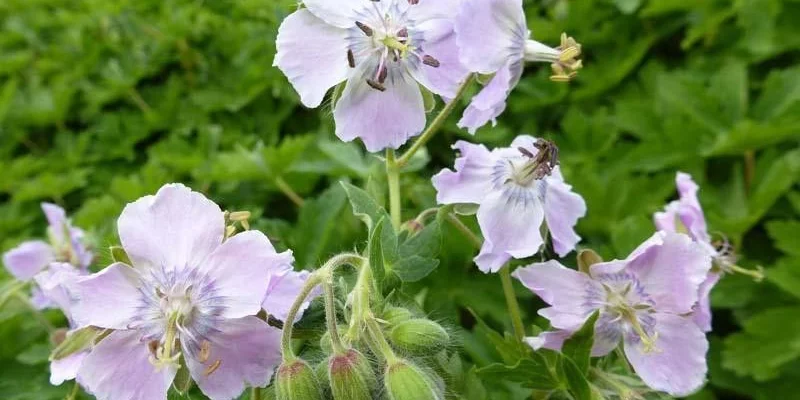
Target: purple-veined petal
[(562, 209), (175, 228), (339, 13), (433, 9), (472, 178), (563, 288), (445, 79), (56, 219), (107, 299), (119, 368), (689, 210), (666, 220), (66, 368), (490, 102), (282, 291), (312, 54), (671, 270), (245, 351), (40, 301), (552, 340), (678, 366), (702, 313), (27, 259), (54, 284), (241, 269), (490, 34), (381, 119), (510, 226)]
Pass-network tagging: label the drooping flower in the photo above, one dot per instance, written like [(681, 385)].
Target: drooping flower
[(191, 294), (517, 189), (493, 38), (65, 245), (642, 303), (384, 50)]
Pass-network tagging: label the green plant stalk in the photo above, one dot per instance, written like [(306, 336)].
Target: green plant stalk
[(36, 313), (73, 394), (361, 310), (437, 123), (287, 352), (330, 315), (511, 302), (289, 192), (255, 394), (12, 292), (393, 178), (473, 238), (379, 340)]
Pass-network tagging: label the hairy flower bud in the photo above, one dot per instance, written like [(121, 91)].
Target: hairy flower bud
[(351, 376), (419, 336), (405, 381), (396, 315), (297, 381)]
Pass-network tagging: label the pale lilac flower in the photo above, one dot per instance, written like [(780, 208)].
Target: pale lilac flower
[(685, 215), (517, 189), (642, 300), (190, 293), (493, 38), (384, 50), (283, 289), (65, 245)]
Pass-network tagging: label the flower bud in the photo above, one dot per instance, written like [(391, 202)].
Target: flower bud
[(351, 376), (396, 315), (419, 336), (296, 381), (405, 381)]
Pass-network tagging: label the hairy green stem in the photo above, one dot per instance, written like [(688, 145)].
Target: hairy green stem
[(286, 337), (473, 238), (73, 394), (436, 124), (289, 192), (376, 335), (330, 315), (393, 177), (511, 302)]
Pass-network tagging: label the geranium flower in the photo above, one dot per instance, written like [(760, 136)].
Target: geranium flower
[(65, 245), (190, 294), (642, 300), (493, 38), (384, 50), (517, 189)]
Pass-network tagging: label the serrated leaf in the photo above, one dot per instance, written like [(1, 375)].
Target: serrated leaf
[(770, 340), (364, 206), (376, 256), (786, 236), (578, 347), (315, 224), (577, 385), (414, 268), (785, 274), (531, 372)]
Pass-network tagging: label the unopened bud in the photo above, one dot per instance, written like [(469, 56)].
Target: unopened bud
[(351, 376), (419, 336), (396, 315), (405, 381), (297, 381), (587, 258)]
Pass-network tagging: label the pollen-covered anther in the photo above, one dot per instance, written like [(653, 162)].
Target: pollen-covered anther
[(567, 65), (205, 351), (413, 2), (351, 59), (375, 85), (402, 33), (211, 368), (430, 61), (364, 28)]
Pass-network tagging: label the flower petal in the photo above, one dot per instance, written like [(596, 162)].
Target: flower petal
[(472, 177), (119, 368), (380, 118), (702, 313), (678, 366), (54, 284), (552, 340), (445, 79), (689, 209), (487, 105), (490, 34), (175, 228), (246, 352), (56, 219), (312, 54), (66, 368), (339, 13), (241, 268), (107, 299), (563, 288), (510, 226), (433, 9), (562, 209), (282, 291), (665, 220), (671, 270), (27, 259)]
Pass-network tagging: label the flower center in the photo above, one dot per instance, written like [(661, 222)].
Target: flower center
[(563, 59), (536, 166), (626, 303)]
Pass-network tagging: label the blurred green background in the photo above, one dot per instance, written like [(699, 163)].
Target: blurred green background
[(103, 101)]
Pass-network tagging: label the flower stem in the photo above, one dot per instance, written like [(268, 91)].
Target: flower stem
[(73, 394), (393, 176), (289, 192), (360, 308), (288, 324), (13, 288), (511, 303), (473, 238), (376, 336), (436, 124), (330, 315)]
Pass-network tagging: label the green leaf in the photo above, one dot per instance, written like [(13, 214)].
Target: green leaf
[(76, 341), (785, 274), (577, 385), (414, 268), (416, 255), (770, 340), (118, 254), (364, 206), (315, 225), (578, 347), (376, 255), (531, 372), (786, 236)]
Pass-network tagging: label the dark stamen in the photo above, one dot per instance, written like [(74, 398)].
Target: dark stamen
[(403, 33), (413, 2), (375, 85), (364, 28), (525, 152), (351, 59), (430, 61), (382, 73)]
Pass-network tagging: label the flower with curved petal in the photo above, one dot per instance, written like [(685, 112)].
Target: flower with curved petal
[(517, 189), (493, 38), (383, 51), (642, 303), (190, 294)]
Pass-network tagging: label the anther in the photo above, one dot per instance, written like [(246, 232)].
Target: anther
[(211, 368), (205, 352), (351, 59), (364, 28), (382, 73), (413, 2), (375, 85), (525, 152), (403, 33), (430, 61)]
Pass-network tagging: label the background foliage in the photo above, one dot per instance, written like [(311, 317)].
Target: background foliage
[(104, 101)]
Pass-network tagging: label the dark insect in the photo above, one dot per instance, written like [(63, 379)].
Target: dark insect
[(544, 160)]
